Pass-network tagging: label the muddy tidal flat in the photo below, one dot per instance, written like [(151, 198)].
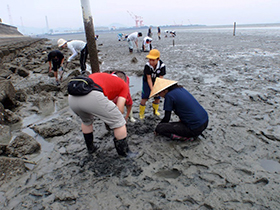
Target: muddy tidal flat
[(235, 164)]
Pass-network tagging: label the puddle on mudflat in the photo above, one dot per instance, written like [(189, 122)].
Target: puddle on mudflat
[(211, 80), (270, 165), (135, 84)]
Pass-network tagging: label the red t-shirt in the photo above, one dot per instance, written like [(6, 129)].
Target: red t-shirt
[(112, 86), (129, 101)]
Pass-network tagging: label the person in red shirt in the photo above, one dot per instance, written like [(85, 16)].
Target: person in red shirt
[(129, 101), (99, 104)]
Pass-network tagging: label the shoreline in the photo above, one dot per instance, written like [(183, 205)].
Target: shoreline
[(236, 79)]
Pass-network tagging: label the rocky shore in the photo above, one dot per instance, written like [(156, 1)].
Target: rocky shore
[(233, 165)]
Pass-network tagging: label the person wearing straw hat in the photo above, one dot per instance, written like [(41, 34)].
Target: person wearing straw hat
[(153, 69), (76, 46), (193, 117)]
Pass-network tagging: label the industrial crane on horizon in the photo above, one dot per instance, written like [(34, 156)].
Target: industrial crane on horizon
[(138, 19)]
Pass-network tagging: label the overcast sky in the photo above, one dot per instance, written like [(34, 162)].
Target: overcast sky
[(68, 13)]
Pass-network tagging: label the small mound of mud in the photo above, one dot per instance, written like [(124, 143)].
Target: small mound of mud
[(106, 165), (142, 127)]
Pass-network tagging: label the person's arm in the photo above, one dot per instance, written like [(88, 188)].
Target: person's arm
[(120, 103), (166, 118), (61, 64), (136, 43), (128, 110), (74, 52), (50, 66), (149, 80)]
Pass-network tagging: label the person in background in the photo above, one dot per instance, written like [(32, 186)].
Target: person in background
[(158, 33), (100, 104), (133, 38), (76, 46), (193, 117), (129, 102), (150, 34), (153, 69), (56, 59), (147, 44), (120, 36)]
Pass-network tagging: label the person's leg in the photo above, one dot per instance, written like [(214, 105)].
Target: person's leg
[(174, 128), (83, 57), (145, 96), (88, 136), (156, 106), (55, 67)]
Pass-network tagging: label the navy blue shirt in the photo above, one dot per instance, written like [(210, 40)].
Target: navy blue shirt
[(186, 107)]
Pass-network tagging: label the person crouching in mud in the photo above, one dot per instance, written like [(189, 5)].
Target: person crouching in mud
[(193, 117), (99, 104)]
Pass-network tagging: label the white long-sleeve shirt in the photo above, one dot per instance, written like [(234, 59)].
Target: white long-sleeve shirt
[(75, 46)]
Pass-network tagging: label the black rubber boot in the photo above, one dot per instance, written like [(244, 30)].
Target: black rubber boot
[(123, 149), (89, 142)]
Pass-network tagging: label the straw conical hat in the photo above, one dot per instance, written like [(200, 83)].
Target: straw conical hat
[(160, 85)]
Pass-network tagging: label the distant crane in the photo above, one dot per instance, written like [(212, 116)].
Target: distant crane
[(138, 19), (10, 16), (47, 24)]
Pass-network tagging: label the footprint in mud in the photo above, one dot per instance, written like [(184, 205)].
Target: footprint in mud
[(169, 174)]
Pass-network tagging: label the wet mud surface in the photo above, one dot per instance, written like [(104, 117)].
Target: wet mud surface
[(234, 165)]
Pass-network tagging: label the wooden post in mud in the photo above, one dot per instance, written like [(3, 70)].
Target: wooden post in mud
[(90, 36), (234, 28)]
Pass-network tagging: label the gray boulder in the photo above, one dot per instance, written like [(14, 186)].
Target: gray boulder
[(22, 145), (55, 127), (7, 94), (10, 167)]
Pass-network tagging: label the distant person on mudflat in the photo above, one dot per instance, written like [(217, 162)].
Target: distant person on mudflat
[(153, 68), (193, 117), (158, 33), (56, 59), (76, 46), (133, 39), (100, 104), (147, 44), (150, 34)]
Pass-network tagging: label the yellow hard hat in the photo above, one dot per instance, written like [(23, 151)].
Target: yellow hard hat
[(153, 54)]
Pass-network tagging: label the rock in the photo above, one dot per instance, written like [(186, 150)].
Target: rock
[(10, 167), (45, 87), (11, 117), (134, 60), (5, 73), (22, 72), (7, 94), (21, 96), (2, 111), (22, 145), (54, 127), (5, 134)]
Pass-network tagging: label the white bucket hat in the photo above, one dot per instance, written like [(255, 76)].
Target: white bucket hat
[(61, 42)]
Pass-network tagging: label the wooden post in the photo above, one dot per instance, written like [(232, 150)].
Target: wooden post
[(234, 28), (173, 42), (90, 36)]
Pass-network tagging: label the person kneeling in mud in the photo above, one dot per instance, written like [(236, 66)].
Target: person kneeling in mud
[(99, 104), (193, 117)]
